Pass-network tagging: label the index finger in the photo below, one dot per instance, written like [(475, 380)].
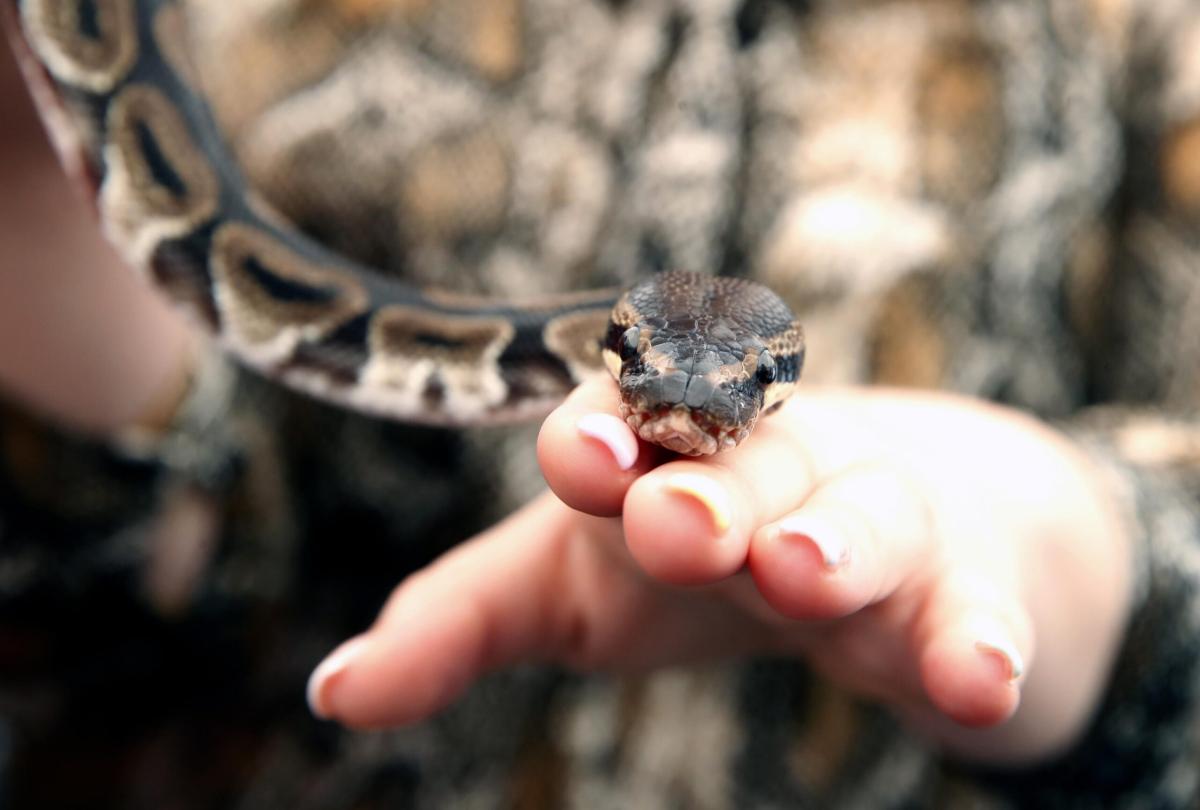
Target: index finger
[(588, 455)]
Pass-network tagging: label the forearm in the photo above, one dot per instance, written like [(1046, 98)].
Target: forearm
[(81, 338)]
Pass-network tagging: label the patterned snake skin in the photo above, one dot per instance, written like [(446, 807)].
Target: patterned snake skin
[(131, 116), (996, 197)]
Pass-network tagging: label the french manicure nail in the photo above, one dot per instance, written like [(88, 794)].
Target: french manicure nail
[(613, 434), (829, 540), (991, 638), (711, 495), (333, 665)]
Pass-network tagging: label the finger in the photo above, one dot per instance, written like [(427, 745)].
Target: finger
[(856, 539), (974, 644), (689, 522), (588, 455), (688, 525), (545, 585), (490, 601)]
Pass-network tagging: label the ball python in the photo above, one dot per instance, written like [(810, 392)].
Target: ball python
[(697, 358)]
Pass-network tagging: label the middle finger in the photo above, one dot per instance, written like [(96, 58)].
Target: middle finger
[(689, 521)]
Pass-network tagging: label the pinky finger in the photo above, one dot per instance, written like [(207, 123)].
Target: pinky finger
[(973, 651)]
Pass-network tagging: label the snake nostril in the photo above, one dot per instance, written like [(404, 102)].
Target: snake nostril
[(650, 389)]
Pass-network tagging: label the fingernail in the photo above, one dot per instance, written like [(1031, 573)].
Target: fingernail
[(829, 540), (993, 640), (333, 665), (711, 495), (613, 434)]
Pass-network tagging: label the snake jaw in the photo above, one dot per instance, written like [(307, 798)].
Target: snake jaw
[(683, 430)]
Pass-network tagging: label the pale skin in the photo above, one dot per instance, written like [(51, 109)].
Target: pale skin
[(82, 339), (969, 544), (962, 541)]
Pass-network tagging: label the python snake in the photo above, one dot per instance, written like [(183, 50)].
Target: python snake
[(697, 358)]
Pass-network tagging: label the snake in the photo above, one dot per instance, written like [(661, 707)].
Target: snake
[(697, 358)]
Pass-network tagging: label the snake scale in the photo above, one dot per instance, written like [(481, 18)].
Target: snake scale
[(697, 358)]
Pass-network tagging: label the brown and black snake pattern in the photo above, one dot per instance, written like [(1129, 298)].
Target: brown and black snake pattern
[(998, 198), (176, 203), (698, 359)]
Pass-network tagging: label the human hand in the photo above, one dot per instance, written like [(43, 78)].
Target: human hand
[(915, 548)]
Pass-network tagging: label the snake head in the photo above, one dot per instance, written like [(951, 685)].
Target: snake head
[(697, 359)]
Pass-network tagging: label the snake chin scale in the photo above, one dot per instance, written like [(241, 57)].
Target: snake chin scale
[(682, 430)]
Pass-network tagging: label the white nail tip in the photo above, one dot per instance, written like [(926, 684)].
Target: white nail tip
[(1014, 663), (335, 663), (991, 637), (613, 434), (835, 551)]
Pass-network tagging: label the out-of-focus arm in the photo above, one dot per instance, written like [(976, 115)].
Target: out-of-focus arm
[(82, 339)]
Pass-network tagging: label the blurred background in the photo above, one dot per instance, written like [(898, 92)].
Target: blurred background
[(998, 198)]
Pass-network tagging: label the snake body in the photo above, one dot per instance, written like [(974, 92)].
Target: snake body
[(114, 80)]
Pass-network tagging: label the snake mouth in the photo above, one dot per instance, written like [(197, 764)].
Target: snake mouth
[(684, 430)]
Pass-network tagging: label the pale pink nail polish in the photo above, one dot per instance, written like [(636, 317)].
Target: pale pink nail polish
[(829, 540), (613, 434), (334, 664)]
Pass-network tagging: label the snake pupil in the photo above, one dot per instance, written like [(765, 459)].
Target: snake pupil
[(767, 369), (629, 343)]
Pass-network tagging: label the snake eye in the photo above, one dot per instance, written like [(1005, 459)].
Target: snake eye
[(629, 343), (767, 370)]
